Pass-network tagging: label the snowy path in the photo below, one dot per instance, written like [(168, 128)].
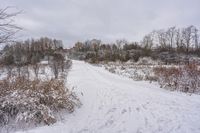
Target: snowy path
[(114, 104)]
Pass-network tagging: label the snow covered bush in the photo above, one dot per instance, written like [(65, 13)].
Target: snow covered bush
[(24, 102), (131, 70), (110, 69), (147, 61), (183, 78)]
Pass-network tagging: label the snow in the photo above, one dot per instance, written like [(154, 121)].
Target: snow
[(116, 104)]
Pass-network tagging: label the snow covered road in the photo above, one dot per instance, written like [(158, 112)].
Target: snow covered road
[(115, 104)]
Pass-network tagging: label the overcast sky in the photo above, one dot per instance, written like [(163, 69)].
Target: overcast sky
[(108, 20)]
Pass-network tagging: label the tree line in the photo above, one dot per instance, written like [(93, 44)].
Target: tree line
[(184, 40), (30, 52), (171, 45)]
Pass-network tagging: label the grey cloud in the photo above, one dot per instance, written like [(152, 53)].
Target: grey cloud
[(79, 20)]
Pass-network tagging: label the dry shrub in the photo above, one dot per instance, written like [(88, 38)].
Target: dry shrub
[(183, 78), (167, 76), (34, 102)]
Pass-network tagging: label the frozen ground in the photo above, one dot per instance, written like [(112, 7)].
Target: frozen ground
[(116, 104)]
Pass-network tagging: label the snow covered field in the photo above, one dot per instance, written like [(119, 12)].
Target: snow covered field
[(116, 104)]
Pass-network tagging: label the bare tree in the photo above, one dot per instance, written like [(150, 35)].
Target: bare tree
[(7, 27), (55, 68), (34, 61), (178, 39), (161, 34), (62, 63), (57, 63), (9, 61), (196, 38), (36, 68), (147, 41), (187, 37), (170, 36)]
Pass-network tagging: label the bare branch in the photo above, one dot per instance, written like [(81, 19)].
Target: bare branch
[(8, 28)]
